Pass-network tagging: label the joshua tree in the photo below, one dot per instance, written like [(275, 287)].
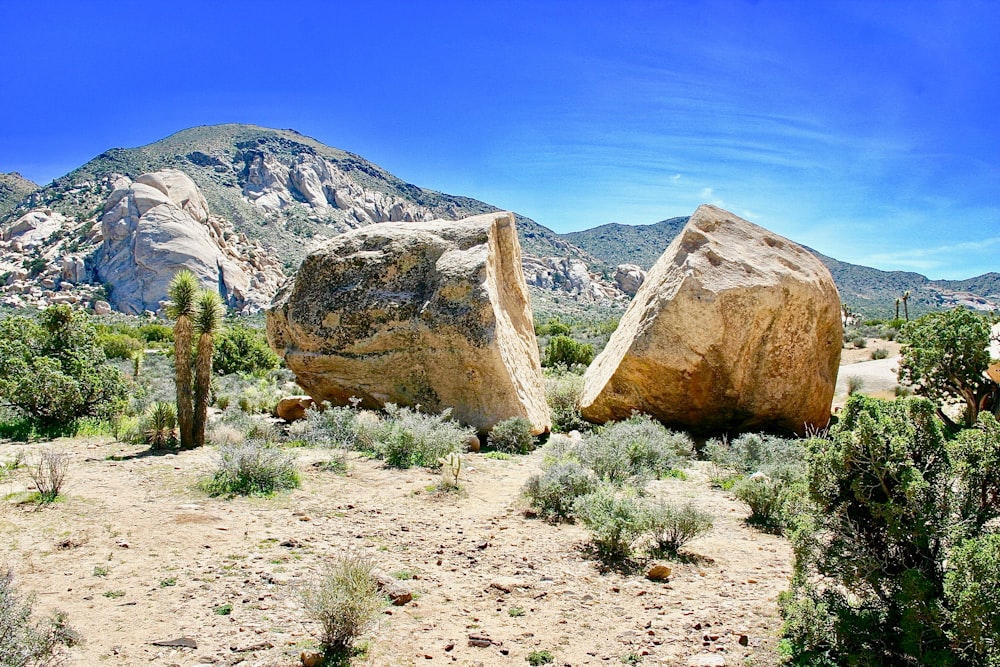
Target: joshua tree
[(207, 321), (906, 310), (183, 291), (897, 307)]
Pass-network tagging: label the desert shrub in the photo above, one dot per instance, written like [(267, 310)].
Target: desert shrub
[(616, 518), (25, 642), (854, 385), (328, 427), (972, 593), (756, 452), (410, 438), (634, 450), (537, 658), (564, 351), (552, 327), (562, 391), (512, 435), (891, 502), (671, 527), (345, 601), (118, 345), (159, 425), (859, 342), (242, 349), (259, 398), (49, 474), (156, 333), (880, 353), (54, 371), (763, 496), (250, 426), (553, 492), (250, 468)]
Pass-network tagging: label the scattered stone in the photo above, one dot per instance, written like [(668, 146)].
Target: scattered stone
[(480, 640), (508, 584), (706, 660), (658, 572), (435, 314), (735, 329), (311, 658), (180, 642), (472, 444), (262, 646), (392, 587)]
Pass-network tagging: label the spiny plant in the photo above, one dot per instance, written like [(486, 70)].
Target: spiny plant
[(208, 319), (182, 292)]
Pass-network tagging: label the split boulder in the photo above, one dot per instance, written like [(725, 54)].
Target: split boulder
[(734, 329), (435, 314)]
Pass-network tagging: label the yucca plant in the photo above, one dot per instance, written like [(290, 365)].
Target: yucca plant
[(160, 428), (183, 291), (207, 321)]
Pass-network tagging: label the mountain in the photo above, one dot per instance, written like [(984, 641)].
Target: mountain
[(616, 244), (870, 291), (13, 188), (275, 192)]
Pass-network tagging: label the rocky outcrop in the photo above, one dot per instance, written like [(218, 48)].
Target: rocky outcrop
[(433, 313), (568, 275), (153, 227), (734, 329), (629, 278), (33, 228)]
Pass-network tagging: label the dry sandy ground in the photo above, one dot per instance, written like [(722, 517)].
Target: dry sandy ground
[(878, 377), (135, 553)]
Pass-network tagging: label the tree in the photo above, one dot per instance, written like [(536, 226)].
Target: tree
[(182, 292), (54, 371), (242, 349), (945, 357), (897, 307), (563, 350), (906, 309), (207, 322)]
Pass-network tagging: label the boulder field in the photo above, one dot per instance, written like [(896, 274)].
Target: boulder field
[(432, 313), (733, 329)]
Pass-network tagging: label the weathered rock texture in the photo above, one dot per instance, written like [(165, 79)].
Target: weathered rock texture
[(160, 224), (734, 329), (432, 313)]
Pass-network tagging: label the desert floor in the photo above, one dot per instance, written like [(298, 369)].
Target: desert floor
[(136, 553)]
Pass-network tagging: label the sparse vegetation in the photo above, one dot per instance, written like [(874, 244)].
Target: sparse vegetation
[(409, 438), (553, 493), (345, 601), (634, 450), (48, 474), (25, 642), (252, 468), (512, 436), (562, 390), (671, 527)]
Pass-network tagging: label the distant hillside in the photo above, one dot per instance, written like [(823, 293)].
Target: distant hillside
[(616, 244), (13, 188), (872, 292), (279, 186)]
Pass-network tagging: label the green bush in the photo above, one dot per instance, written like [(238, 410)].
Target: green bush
[(671, 527), (880, 353), (859, 342), (242, 349), (23, 641), (553, 492), (409, 438), (156, 333), (119, 346), (972, 593), (512, 436), (882, 574), (552, 327), (329, 427), (54, 371), (345, 602), (562, 391), (757, 452), (764, 496), (564, 351), (634, 450), (252, 468), (615, 518)]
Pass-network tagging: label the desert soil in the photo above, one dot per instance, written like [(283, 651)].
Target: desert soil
[(136, 553)]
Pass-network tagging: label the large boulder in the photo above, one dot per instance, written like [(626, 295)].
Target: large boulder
[(435, 314), (734, 329)]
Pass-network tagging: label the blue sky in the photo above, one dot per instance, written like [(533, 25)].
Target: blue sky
[(867, 130)]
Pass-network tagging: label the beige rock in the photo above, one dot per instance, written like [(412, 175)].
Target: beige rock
[(102, 308), (179, 189), (629, 278), (434, 314), (293, 408), (734, 329), (658, 572), (33, 227)]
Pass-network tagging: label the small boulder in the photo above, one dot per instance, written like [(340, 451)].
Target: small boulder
[(102, 308), (629, 278), (398, 592), (293, 408), (658, 572)]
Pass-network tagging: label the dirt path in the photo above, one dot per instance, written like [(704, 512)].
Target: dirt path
[(136, 553)]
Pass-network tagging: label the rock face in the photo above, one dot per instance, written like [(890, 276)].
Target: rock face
[(159, 224), (734, 329), (433, 313), (629, 278)]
